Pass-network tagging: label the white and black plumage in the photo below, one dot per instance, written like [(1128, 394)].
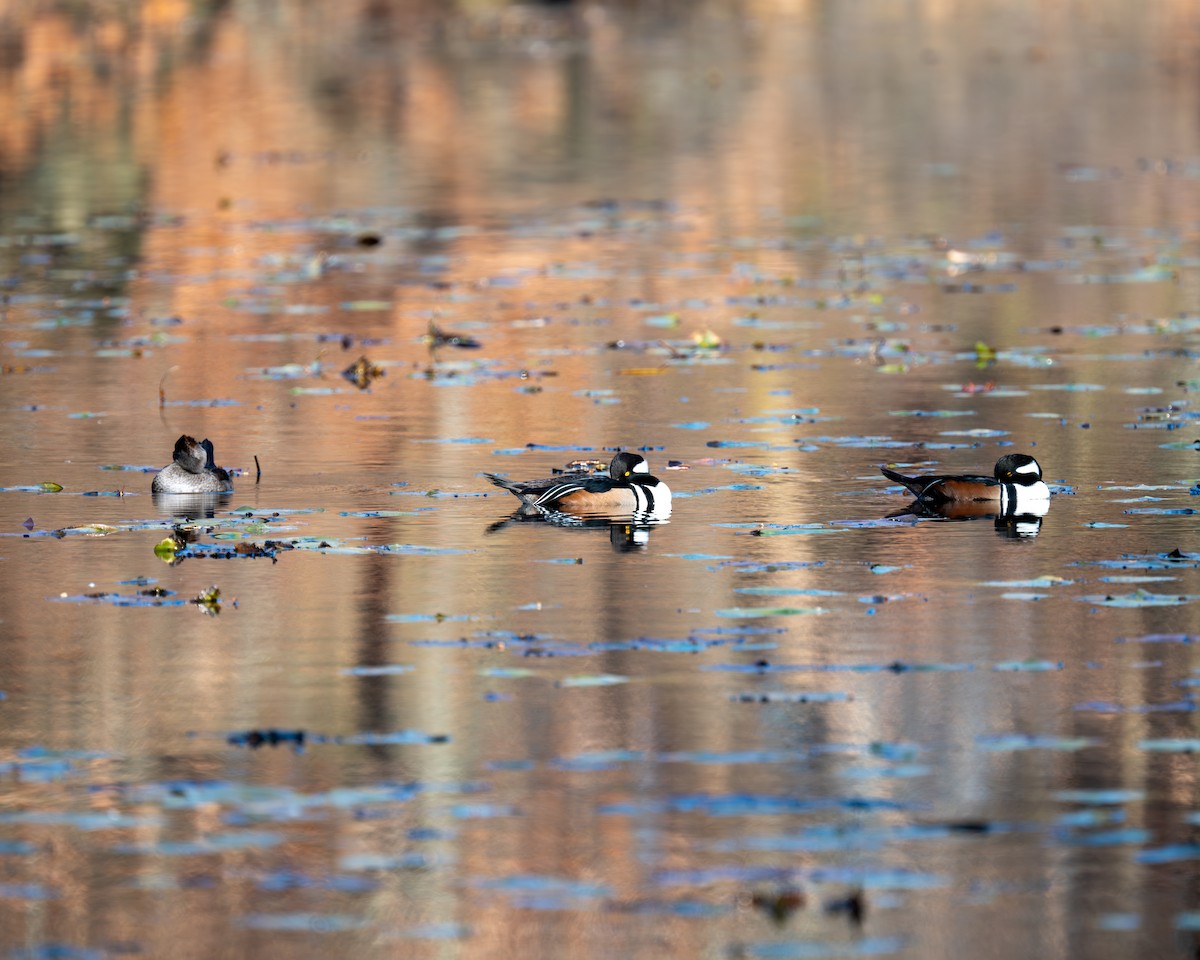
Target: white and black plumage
[(628, 491)]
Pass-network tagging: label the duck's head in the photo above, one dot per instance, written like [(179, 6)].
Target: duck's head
[(1018, 468), (626, 464), (190, 454)]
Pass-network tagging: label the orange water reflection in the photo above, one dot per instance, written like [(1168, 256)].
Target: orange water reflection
[(235, 203)]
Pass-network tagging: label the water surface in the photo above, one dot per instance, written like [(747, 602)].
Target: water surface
[(772, 246)]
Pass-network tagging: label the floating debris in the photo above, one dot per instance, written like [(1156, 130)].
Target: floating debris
[(1017, 741), (436, 338), (362, 373), (1139, 598), (779, 905), (209, 601), (742, 613), (269, 738)]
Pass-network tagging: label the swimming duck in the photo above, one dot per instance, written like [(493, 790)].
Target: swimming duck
[(1015, 487), (193, 470), (628, 490)]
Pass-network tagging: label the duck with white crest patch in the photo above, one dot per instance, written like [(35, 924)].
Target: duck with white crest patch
[(1015, 487), (628, 491)]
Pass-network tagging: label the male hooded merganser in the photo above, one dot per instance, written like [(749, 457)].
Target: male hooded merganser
[(1016, 487), (193, 470), (628, 490)]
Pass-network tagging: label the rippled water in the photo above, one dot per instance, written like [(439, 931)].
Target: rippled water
[(771, 249)]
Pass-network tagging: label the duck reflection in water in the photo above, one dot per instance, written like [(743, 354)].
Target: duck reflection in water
[(1015, 496), (625, 535), (192, 484), (1015, 525), (628, 500)]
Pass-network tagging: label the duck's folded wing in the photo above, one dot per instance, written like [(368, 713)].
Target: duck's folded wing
[(564, 488)]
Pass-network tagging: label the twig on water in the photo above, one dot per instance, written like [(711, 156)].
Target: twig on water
[(162, 386)]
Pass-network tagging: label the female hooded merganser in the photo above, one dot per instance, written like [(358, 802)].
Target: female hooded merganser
[(628, 490), (193, 470), (1016, 487)]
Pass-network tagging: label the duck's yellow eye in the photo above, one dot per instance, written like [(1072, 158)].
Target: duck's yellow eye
[(628, 472)]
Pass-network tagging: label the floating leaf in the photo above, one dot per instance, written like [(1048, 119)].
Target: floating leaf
[(385, 861), (304, 922), (1161, 638), (1103, 706), (931, 413), (90, 530), (593, 680), (482, 811), (27, 891), (793, 529), (1170, 854), (1029, 666), (1120, 922), (167, 548), (394, 737), (427, 617), (1069, 387), (878, 946), (377, 514), (1036, 582), (599, 759), (1171, 745), (141, 599), (383, 670), (641, 371), (209, 601), (1139, 598), (366, 305), (1018, 741), (1109, 838)]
